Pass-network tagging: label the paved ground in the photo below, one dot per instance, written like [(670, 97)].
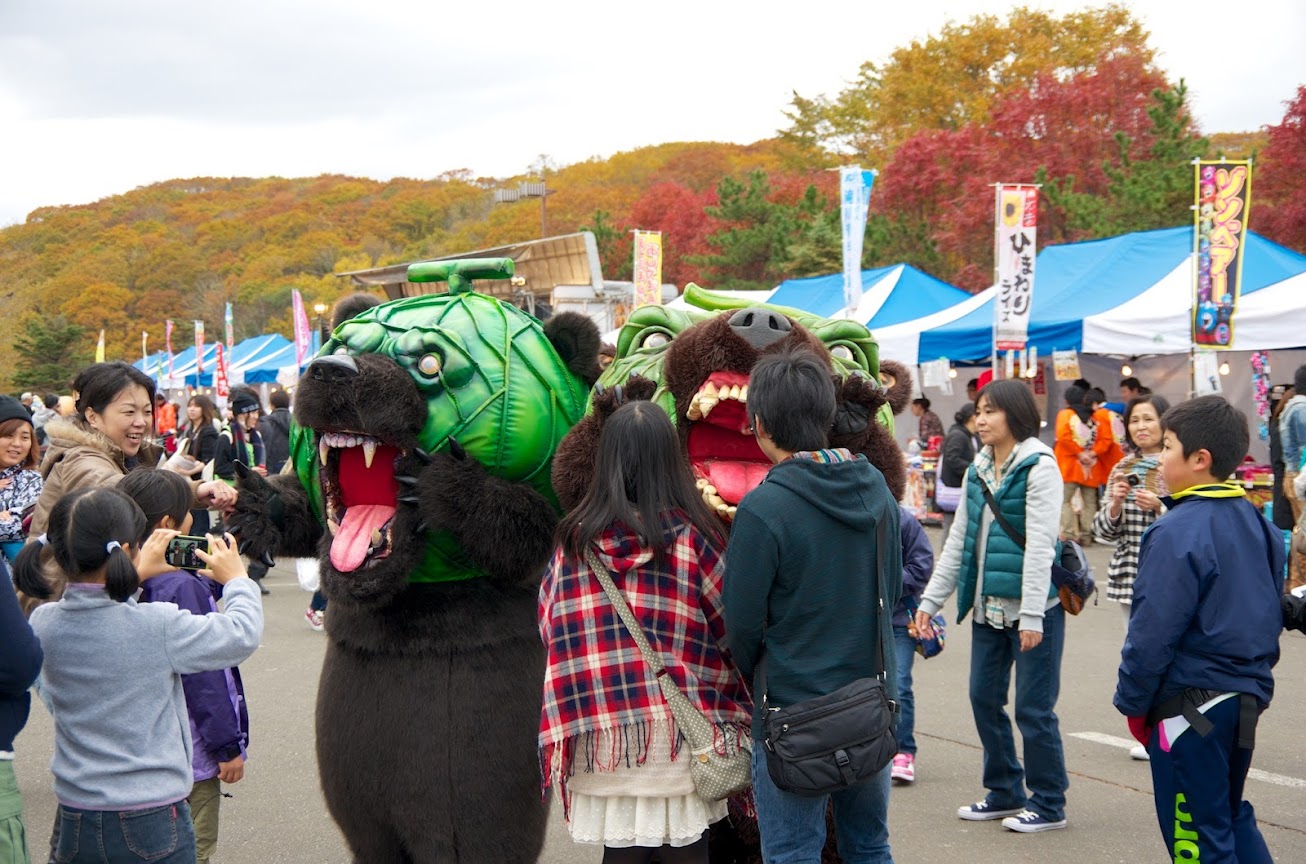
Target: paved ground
[(277, 815)]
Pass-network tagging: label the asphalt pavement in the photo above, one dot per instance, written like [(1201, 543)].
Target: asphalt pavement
[(276, 813)]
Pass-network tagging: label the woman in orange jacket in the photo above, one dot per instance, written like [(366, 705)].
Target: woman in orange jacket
[(1086, 452)]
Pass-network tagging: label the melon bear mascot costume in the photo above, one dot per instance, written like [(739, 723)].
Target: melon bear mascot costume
[(425, 433), (695, 364)]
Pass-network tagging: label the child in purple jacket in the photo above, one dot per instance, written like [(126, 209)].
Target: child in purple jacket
[(219, 722), (917, 567)]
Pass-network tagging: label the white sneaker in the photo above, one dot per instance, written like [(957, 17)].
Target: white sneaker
[(982, 811), (1139, 752), (1029, 822)]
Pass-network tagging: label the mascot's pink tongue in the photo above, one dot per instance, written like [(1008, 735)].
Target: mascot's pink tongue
[(734, 480), (369, 498), (352, 541)]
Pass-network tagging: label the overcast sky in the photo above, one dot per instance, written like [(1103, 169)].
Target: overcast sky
[(98, 97)]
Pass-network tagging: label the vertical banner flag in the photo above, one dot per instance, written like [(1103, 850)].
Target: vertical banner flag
[(199, 351), (1014, 247), (854, 197), (145, 341), (230, 334), (648, 268), (301, 328), (220, 374), (99, 349), (167, 345), (1222, 191)]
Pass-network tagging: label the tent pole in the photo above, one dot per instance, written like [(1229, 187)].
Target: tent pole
[(997, 251)]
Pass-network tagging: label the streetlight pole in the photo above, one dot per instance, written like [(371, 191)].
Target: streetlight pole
[(320, 309)]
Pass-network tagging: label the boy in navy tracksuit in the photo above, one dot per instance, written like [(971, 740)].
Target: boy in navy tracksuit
[(1203, 637)]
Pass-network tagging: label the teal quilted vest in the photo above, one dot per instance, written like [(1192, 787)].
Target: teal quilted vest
[(1003, 559)]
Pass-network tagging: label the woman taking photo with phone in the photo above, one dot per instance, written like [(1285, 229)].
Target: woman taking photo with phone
[(1018, 620)]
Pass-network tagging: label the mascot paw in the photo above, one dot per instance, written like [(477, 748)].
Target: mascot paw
[(858, 399), (447, 480), (609, 399), (257, 517)]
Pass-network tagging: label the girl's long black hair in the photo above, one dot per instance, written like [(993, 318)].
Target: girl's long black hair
[(640, 478), (83, 525), (158, 493)]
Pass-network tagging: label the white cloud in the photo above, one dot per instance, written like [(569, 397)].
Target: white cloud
[(98, 98)]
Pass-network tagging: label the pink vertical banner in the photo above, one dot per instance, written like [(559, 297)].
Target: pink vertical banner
[(199, 351), (301, 328), (220, 385), (648, 268)]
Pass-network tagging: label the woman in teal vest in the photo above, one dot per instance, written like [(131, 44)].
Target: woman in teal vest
[(1017, 617)]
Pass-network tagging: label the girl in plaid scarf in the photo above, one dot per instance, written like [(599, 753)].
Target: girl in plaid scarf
[(608, 742)]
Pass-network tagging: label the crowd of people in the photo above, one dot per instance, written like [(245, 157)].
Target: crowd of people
[(821, 582)]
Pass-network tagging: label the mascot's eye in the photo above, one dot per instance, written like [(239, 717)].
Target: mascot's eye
[(656, 339), (843, 352), (429, 365)]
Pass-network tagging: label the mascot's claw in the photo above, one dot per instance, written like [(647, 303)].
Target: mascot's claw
[(456, 450), (609, 399)]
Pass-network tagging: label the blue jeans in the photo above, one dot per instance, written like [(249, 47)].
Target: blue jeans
[(904, 648), (793, 826), (162, 835), (1038, 683)]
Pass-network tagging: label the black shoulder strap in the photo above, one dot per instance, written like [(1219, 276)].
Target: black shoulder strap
[(997, 514)]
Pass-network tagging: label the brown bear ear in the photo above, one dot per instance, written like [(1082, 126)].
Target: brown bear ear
[(576, 339)]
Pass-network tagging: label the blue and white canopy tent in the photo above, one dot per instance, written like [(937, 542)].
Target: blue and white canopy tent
[(1127, 300), (253, 361)]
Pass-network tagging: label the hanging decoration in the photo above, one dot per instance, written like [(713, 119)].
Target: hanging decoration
[(1261, 392)]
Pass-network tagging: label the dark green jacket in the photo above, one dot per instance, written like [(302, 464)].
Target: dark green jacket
[(813, 572), (1004, 560)]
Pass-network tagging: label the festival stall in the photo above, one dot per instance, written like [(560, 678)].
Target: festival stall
[(1126, 302)]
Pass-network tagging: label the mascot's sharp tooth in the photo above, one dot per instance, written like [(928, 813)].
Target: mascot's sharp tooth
[(706, 404), (709, 389), (323, 448), (377, 538), (694, 412), (333, 526), (743, 393), (369, 451)]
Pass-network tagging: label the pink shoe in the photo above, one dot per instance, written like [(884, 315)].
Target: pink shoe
[(904, 768), (314, 619)]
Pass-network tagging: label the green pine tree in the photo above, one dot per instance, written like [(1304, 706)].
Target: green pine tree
[(50, 352)]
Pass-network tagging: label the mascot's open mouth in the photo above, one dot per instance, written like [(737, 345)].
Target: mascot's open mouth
[(360, 496), (722, 451)]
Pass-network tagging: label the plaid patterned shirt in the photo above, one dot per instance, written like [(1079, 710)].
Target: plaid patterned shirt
[(1127, 531), (597, 687)]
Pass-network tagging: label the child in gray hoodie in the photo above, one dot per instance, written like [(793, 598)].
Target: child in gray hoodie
[(112, 676)]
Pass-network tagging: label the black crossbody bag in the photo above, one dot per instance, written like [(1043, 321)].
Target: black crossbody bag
[(833, 742)]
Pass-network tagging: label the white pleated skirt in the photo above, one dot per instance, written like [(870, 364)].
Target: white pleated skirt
[(627, 820)]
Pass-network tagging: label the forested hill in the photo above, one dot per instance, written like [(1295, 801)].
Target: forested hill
[(1076, 103)]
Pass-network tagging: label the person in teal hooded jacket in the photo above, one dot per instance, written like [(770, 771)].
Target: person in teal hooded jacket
[(1018, 620), (813, 572)]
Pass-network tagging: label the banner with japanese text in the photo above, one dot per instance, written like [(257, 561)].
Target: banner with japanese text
[(220, 385), (231, 330), (145, 341), (199, 351), (854, 199), (1014, 248), (1222, 192), (301, 328), (648, 268), (99, 349)]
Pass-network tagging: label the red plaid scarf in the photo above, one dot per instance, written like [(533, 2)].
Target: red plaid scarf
[(596, 681)]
